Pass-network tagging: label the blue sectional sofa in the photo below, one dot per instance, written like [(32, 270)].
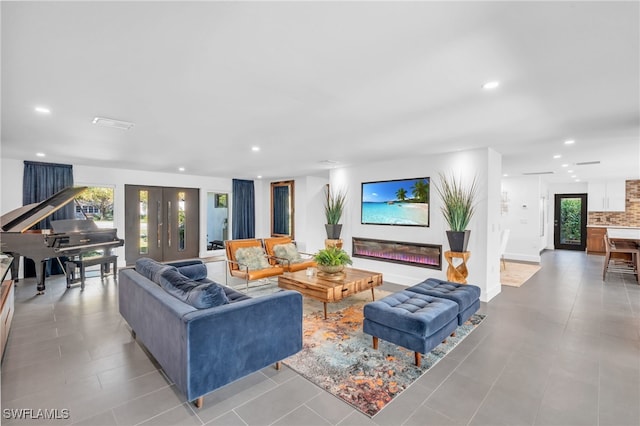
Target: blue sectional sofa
[(205, 335)]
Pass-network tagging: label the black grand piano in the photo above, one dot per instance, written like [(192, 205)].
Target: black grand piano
[(71, 237)]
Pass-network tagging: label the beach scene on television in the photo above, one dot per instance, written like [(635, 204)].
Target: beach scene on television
[(396, 202)]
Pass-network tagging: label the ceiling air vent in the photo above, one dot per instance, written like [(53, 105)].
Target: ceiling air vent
[(110, 122), (538, 173), (586, 163)]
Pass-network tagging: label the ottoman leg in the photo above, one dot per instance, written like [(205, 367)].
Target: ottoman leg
[(375, 342), (418, 358), (453, 334)]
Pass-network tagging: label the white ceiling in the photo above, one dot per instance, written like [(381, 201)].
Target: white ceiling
[(351, 82)]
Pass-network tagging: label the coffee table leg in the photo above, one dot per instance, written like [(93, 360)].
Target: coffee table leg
[(325, 309), (373, 295)]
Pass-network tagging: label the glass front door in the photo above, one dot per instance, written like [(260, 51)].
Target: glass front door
[(161, 223), (570, 221)]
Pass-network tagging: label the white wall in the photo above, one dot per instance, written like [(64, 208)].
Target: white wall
[(524, 217), (493, 228), (310, 220), (484, 242)]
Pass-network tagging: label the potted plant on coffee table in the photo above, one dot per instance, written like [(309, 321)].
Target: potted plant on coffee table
[(332, 260), (333, 208), (458, 207)]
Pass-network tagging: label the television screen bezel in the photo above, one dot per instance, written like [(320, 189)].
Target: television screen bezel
[(362, 222)]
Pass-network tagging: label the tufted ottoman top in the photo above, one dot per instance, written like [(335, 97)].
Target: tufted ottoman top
[(463, 294), (413, 313)]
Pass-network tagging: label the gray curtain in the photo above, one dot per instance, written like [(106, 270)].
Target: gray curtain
[(244, 209)]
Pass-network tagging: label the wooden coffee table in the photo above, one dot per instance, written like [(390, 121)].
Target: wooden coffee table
[(330, 290)]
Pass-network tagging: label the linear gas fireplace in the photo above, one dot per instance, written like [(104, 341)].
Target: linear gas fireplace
[(415, 254)]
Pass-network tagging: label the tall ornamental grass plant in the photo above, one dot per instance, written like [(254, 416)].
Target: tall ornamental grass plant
[(459, 201)]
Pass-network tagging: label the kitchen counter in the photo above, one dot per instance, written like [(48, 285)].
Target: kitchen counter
[(613, 226), (624, 233)]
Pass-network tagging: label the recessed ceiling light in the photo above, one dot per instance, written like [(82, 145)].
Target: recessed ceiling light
[(569, 142), (110, 122), (577, 180), (255, 148), (569, 171), (565, 165), (181, 169), (491, 85), (40, 154), (42, 110), (505, 175), (557, 156), (259, 176)]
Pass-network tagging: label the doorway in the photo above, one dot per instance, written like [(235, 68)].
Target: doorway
[(570, 222), (161, 223)]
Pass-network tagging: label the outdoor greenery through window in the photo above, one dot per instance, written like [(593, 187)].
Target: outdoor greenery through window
[(96, 203), (570, 220)]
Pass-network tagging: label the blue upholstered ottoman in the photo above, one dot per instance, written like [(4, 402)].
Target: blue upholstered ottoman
[(415, 321), (465, 295)]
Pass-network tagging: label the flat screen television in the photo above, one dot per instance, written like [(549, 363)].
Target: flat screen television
[(402, 202)]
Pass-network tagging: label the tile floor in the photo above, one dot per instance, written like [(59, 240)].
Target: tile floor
[(564, 349)]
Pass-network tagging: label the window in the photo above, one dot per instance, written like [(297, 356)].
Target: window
[(96, 203)]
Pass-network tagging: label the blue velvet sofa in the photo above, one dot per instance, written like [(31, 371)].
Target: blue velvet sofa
[(205, 335)]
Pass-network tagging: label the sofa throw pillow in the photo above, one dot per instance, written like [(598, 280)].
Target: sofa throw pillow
[(287, 251), (151, 269), (198, 295), (197, 271), (254, 257)]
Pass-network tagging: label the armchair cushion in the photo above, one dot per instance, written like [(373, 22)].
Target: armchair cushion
[(199, 295), (254, 257), (287, 251)]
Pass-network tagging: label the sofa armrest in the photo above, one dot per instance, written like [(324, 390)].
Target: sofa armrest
[(231, 341)]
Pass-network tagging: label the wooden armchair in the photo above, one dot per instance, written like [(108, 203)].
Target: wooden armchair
[(256, 268), (285, 262)]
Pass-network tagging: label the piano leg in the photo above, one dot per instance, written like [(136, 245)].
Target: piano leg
[(15, 269), (41, 273)]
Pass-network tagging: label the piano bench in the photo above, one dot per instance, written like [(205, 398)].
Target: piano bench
[(103, 261)]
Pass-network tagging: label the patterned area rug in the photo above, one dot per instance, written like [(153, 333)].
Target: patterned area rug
[(516, 273), (339, 357)]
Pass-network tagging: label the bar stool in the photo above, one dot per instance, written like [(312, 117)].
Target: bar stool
[(627, 262)]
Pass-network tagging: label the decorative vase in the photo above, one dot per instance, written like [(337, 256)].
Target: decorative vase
[(333, 231), (458, 240), (331, 269), (331, 272)]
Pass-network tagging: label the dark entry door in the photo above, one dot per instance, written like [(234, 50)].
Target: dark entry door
[(570, 222), (161, 223)]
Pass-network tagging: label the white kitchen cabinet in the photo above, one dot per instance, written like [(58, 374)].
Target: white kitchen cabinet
[(607, 196)]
